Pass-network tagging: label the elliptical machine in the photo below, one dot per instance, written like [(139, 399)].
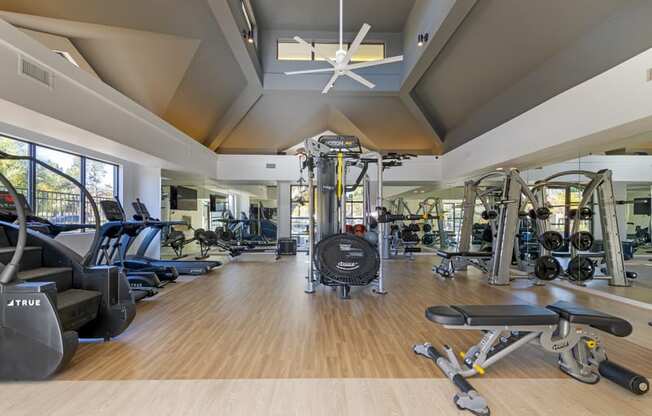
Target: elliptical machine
[(153, 227)]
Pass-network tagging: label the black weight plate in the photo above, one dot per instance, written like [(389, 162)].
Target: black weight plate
[(547, 268), (580, 269), (551, 240), (427, 228), (582, 240), (586, 213), (428, 239), (543, 213), (346, 259)]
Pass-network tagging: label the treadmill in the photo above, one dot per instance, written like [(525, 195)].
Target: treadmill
[(154, 227)]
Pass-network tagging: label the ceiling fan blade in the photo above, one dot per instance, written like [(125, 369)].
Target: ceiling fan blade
[(357, 42), (374, 63), (310, 71), (361, 80), (330, 83), (314, 50)]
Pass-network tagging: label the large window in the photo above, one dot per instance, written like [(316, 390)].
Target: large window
[(50, 195), (102, 183), (17, 171), (58, 199), (289, 50), (299, 217), (355, 206)]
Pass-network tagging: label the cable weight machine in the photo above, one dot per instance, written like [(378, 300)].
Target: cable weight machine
[(340, 259)]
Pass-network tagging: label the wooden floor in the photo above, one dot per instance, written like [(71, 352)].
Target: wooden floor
[(245, 339), (316, 397), (251, 319)]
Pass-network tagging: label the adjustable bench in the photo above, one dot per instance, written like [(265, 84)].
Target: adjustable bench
[(562, 328), (457, 259)]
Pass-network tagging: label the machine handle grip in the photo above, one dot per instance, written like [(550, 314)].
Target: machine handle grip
[(462, 384), (624, 377)]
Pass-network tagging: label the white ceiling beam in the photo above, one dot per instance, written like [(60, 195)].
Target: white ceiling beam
[(246, 56), (422, 58)]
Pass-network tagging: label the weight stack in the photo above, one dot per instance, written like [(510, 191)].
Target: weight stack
[(287, 247)]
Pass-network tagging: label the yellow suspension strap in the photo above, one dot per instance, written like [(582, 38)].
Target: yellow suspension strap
[(340, 176)]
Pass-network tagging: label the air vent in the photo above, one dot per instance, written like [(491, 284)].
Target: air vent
[(271, 166), (35, 72)]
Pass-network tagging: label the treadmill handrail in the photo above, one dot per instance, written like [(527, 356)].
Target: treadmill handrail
[(9, 272), (87, 258)]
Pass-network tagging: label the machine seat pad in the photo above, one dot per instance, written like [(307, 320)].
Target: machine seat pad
[(445, 315), (580, 315), (452, 254), (506, 315)]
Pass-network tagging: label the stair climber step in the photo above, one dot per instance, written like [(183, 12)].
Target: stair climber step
[(61, 276), (32, 258), (4, 240), (77, 307)]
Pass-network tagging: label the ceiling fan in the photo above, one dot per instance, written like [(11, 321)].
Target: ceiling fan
[(342, 65)]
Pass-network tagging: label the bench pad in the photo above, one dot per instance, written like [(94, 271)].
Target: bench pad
[(580, 315), (492, 315)]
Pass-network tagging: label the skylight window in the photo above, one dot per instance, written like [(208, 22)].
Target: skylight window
[(245, 13), (65, 55), (293, 51), (289, 50)]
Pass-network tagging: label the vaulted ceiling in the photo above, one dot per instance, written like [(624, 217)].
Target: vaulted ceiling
[(323, 15), (487, 62)]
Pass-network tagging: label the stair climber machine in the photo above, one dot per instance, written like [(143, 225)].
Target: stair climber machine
[(339, 259), (50, 296), (153, 228), (144, 281)]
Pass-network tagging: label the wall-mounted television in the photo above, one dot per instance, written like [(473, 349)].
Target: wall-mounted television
[(183, 199), (642, 206)]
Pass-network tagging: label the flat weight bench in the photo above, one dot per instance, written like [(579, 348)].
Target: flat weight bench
[(562, 328), (455, 259)]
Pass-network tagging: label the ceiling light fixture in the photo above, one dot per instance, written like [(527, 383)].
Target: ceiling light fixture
[(422, 39), (248, 35)]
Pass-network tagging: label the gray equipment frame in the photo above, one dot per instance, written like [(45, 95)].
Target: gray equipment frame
[(321, 179), (600, 185)]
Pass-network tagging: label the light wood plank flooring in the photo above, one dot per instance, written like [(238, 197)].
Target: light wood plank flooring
[(251, 320)]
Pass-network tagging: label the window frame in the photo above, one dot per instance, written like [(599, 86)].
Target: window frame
[(31, 172)]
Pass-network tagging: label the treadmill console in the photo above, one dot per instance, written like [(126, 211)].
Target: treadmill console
[(112, 210), (141, 210), (7, 203)]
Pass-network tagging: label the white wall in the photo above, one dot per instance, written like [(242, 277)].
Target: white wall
[(253, 168)]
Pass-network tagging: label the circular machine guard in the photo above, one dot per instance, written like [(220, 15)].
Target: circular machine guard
[(345, 259)]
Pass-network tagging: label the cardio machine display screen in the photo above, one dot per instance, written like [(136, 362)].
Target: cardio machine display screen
[(141, 209), (7, 202), (112, 210)]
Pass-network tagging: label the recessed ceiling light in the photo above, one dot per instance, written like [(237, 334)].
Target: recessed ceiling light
[(422, 39)]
